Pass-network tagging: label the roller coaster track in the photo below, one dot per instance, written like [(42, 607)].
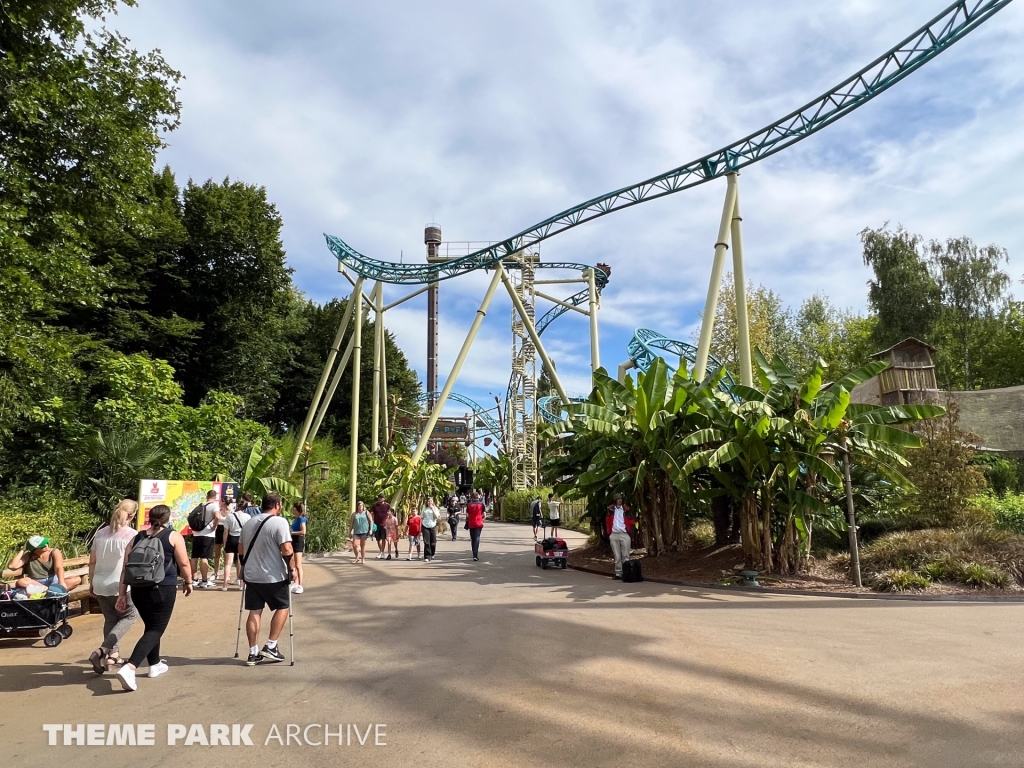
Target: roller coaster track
[(643, 348), (479, 412), (952, 24)]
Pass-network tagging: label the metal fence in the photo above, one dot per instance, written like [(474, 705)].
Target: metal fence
[(519, 511)]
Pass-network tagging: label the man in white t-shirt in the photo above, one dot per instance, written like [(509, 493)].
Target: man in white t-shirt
[(266, 554), (554, 514), (204, 539)]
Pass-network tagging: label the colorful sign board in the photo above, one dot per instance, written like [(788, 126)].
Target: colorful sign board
[(182, 496)]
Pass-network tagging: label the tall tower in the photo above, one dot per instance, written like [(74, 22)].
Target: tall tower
[(522, 406), (432, 239)]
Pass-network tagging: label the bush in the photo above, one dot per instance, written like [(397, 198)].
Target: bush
[(701, 534), (515, 505), (28, 511), (1005, 513), (979, 556), (1002, 475), (898, 580), (327, 523)]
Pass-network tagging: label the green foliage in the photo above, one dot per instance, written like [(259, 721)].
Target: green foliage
[(899, 580), (256, 478), (515, 505), (494, 473), (107, 467), (1001, 475), (701, 534), (1005, 512), (978, 556), (944, 475), (394, 473), (29, 511)]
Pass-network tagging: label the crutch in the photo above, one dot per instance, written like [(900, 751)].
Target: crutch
[(241, 604), (291, 629)]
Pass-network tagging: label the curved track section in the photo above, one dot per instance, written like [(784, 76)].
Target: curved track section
[(479, 413), (920, 47), (647, 345)]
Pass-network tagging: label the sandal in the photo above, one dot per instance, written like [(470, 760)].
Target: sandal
[(114, 662), (98, 660)]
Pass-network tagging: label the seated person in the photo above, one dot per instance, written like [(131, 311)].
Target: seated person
[(42, 566)]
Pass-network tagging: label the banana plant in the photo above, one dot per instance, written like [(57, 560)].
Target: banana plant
[(255, 477)]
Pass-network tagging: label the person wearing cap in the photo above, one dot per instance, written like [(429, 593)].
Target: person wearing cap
[(42, 566), (619, 523)]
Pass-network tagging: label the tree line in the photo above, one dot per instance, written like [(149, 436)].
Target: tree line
[(130, 304)]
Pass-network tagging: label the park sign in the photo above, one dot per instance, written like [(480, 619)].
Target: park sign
[(182, 496), (448, 430)]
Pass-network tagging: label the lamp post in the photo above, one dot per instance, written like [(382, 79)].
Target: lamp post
[(325, 473)]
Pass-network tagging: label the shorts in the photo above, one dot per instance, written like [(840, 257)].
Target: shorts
[(220, 534), (231, 545), (415, 541), (273, 596), (554, 521), (202, 547), (381, 533), (298, 542), (360, 535), (538, 522)]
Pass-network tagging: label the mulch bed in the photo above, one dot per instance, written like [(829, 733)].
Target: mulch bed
[(722, 566)]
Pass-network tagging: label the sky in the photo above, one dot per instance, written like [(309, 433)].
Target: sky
[(369, 120)]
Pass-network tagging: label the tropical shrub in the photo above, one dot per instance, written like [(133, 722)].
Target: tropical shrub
[(899, 580), (1005, 513), (63, 518)]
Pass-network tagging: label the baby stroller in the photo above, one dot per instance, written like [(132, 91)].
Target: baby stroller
[(45, 613)]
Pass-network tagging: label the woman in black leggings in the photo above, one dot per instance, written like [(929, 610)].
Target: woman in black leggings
[(154, 604)]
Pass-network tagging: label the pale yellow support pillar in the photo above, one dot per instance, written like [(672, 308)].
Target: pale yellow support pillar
[(534, 336), (357, 355), (449, 383), (384, 382), (595, 346), (740, 282), (377, 297), (700, 367), (335, 381), (331, 356)]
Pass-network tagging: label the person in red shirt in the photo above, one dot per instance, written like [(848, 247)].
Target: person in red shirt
[(619, 523), (475, 522), (414, 530)]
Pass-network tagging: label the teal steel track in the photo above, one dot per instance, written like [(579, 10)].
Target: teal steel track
[(920, 47), (479, 412)]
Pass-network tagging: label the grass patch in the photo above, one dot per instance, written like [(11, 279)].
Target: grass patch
[(978, 557), (701, 534)]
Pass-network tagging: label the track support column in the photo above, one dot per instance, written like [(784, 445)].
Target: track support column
[(357, 355), (449, 384), (595, 346), (700, 367), (740, 282), (331, 356), (377, 297)]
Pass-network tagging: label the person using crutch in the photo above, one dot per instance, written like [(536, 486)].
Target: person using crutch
[(265, 551)]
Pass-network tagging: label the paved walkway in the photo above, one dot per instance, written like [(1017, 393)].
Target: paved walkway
[(500, 663)]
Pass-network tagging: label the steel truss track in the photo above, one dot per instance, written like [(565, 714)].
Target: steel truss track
[(920, 47), (479, 413)]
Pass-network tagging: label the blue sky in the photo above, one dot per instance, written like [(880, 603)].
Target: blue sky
[(368, 120)]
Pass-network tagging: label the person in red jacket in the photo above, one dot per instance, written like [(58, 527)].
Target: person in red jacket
[(619, 523), (475, 522)]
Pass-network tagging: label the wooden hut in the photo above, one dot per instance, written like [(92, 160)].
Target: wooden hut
[(910, 377)]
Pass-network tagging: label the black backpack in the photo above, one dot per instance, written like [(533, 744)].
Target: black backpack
[(631, 571), (145, 564), (197, 518)]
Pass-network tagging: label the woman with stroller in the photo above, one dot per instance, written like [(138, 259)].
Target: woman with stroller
[(106, 561)]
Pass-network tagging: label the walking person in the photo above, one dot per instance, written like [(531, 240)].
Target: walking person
[(248, 506), (106, 561), (203, 541), (536, 517), (266, 554), (391, 528), (453, 517), (362, 523), (219, 537), (475, 523), (154, 602), (380, 516), (413, 529), (619, 524), (232, 535), (430, 516), (554, 514), (298, 543)]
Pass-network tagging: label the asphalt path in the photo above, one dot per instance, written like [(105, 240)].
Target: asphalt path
[(500, 663)]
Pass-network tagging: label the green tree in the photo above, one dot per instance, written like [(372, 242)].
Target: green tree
[(903, 293), (840, 338), (770, 324), (974, 292)]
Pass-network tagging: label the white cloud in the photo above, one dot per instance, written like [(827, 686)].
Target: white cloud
[(368, 120)]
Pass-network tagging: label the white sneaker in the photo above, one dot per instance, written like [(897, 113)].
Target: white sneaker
[(380, 556), (155, 670), (126, 675), (298, 590)]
